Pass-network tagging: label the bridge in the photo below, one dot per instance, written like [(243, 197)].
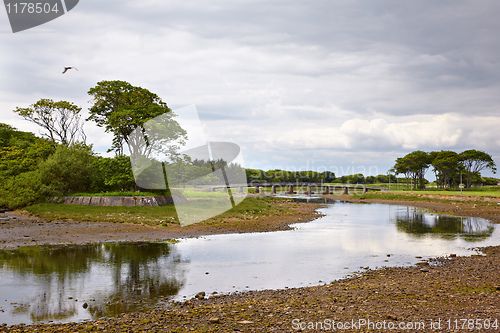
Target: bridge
[(291, 187)]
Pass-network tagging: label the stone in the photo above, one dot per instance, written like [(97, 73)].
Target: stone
[(201, 294), (214, 320), (425, 270)]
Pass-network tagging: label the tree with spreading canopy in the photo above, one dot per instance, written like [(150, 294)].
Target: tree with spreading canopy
[(413, 165), (120, 108), (445, 164), (474, 161)]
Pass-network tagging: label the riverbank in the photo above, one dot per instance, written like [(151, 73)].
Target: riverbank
[(60, 224), (453, 294), (485, 207), (445, 295)]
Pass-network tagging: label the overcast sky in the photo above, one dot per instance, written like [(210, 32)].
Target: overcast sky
[(346, 86)]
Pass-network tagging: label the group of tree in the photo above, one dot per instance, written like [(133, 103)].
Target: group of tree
[(359, 178), (33, 169), (60, 162), (283, 176), (449, 167)]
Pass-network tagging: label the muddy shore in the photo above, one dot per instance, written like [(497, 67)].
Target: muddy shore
[(444, 295), (21, 229)]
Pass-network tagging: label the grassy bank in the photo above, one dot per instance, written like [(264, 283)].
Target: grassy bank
[(248, 209), (120, 194), (435, 196)]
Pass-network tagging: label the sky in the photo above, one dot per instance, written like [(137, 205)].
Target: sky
[(345, 86)]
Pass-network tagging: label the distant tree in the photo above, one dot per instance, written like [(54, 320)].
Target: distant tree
[(402, 166), (490, 181), (445, 164), (474, 161), (120, 108), (60, 120), (413, 165)]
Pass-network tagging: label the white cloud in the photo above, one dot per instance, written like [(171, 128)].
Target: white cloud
[(291, 82)]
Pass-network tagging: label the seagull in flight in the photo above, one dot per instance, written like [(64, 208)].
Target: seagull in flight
[(66, 69)]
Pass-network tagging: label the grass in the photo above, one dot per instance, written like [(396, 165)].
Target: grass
[(249, 208), (421, 195), (190, 193), (118, 194)]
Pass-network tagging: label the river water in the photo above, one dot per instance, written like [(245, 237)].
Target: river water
[(77, 282)]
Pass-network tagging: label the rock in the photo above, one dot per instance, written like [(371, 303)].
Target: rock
[(244, 322), (497, 287), (392, 317), (453, 255), (425, 270), (85, 305), (201, 294), (214, 320)]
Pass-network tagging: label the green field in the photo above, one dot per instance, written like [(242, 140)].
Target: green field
[(249, 208)]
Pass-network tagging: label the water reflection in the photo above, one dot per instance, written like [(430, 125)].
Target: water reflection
[(112, 278), (419, 224), (71, 283)]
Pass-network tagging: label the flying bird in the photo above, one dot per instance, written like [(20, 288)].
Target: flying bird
[(66, 69)]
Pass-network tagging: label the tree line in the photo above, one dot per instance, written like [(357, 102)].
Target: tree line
[(60, 162), (448, 167), (283, 176)]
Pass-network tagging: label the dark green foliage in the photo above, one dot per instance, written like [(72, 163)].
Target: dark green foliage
[(279, 176), (114, 174), (69, 170), (474, 161), (447, 166), (120, 108), (21, 190)]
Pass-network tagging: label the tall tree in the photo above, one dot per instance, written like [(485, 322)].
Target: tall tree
[(474, 161), (414, 164), (120, 108), (445, 164), (60, 120)]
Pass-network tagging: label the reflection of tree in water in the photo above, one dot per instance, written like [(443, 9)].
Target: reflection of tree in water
[(139, 280), (418, 224), (54, 266)]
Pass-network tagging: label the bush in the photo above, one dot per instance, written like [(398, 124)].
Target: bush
[(69, 170), (22, 190)]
